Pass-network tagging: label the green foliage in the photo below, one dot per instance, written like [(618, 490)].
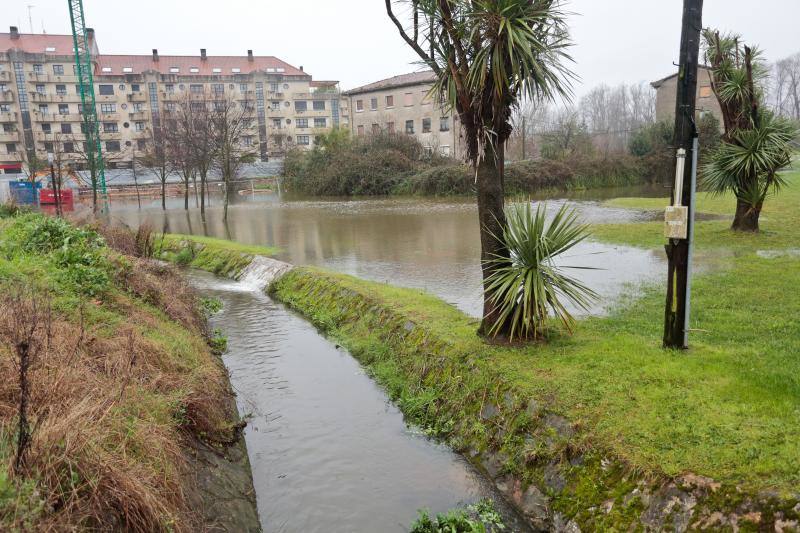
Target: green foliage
[(477, 518), (218, 342), (185, 256), (78, 253), (529, 286), (210, 306)]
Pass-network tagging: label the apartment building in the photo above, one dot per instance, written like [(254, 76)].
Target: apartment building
[(40, 104), (403, 104), (667, 93)]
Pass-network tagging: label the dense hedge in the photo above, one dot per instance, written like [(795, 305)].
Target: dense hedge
[(387, 164)]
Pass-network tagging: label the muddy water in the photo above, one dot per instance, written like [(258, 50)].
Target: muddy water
[(329, 451), (421, 243)]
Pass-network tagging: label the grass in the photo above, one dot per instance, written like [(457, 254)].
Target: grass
[(727, 408), (220, 256), (126, 384)]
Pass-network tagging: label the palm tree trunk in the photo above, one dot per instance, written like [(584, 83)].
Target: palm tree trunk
[(746, 217), (492, 219)]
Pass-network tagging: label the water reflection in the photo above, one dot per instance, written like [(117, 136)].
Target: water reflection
[(422, 243)]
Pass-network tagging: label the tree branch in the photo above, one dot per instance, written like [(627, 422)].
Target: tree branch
[(411, 42)]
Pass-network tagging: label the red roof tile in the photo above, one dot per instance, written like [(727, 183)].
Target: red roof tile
[(35, 43), (185, 64)]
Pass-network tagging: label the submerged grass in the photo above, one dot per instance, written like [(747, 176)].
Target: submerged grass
[(220, 256), (123, 382)]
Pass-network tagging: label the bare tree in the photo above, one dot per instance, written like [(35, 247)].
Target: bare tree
[(233, 135), (785, 94), (156, 157)]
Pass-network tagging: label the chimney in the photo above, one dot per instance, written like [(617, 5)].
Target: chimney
[(155, 54), (249, 55), (203, 55), (301, 68), (14, 33)]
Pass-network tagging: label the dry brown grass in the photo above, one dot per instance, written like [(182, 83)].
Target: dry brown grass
[(115, 398)]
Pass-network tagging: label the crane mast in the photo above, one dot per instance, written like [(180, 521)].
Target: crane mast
[(84, 70)]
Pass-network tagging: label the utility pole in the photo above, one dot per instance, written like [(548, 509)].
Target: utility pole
[(678, 250)]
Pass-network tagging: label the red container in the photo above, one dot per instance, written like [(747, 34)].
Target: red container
[(48, 197)]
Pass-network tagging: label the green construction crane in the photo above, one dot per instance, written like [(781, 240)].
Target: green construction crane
[(84, 70)]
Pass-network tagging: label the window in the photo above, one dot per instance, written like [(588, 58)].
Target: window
[(705, 92), (46, 128), (361, 130), (219, 106), (43, 109), (194, 70), (170, 106), (242, 87), (138, 126), (373, 103), (9, 128), (247, 140), (359, 105), (83, 128), (408, 99), (135, 88), (127, 70), (63, 109), (426, 98), (319, 105), (301, 105), (444, 124), (5, 108), (274, 105), (273, 87), (106, 69), (108, 108), (390, 127), (389, 100), (409, 126), (320, 122), (61, 90), (169, 88), (138, 107), (68, 148), (58, 70), (276, 123), (66, 128), (196, 88), (196, 106), (3, 87), (106, 90), (141, 144), (40, 88), (303, 140), (301, 123), (38, 69), (236, 70), (426, 125), (110, 127), (11, 148), (174, 70), (376, 129), (445, 150), (48, 147), (218, 88), (112, 146)]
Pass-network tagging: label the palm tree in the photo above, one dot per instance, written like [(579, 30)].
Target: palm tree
[(756, 144), (488, 56)]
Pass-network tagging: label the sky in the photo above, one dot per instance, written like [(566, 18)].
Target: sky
[(353, 41)]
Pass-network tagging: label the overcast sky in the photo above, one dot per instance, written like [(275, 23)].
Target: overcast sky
[(354, 42)]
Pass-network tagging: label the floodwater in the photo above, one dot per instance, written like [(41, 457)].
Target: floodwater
[(430, 244), (329, 451)]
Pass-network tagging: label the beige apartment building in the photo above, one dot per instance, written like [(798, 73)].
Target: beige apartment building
[(402, 104), (40, 104), (667, 93)]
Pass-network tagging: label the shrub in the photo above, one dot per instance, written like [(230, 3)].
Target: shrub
[(477, 518)]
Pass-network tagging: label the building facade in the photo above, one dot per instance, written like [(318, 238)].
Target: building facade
[(403, 104), (40, 103), (667, 93)]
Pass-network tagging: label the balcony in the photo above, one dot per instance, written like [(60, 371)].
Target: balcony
[(54, 98), (38, 116), (138, 96), (10, 158), (138, 115), (8, 117), (107, 117), (11, 136), (5, 75), (6, 96), (35, 76)]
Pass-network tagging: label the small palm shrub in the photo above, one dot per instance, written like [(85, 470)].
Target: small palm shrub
[(528, 287)]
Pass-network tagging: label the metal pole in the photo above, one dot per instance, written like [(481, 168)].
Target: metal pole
[(692, 191)]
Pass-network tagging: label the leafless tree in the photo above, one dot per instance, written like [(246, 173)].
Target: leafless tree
[(233, 135), (785, 94), (156, 158)]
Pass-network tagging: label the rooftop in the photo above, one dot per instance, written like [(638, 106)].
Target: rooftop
[(194, 65), (658, 83), (36, 43), (402, 80)]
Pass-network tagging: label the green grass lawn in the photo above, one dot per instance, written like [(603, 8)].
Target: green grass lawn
[(727, 408)]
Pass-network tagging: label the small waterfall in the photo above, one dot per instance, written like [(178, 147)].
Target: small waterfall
[(262, 271)]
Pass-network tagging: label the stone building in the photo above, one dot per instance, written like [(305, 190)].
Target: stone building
[(667, 93), (40, 104), (402, 104)]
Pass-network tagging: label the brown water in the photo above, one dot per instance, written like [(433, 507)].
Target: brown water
[(422, 243), (329, 451)]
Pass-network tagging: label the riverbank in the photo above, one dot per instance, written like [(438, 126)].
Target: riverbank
[(132, 420), (604, 429)]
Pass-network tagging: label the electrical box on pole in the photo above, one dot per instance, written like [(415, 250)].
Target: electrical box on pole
[(678, 248), (84, 70)]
